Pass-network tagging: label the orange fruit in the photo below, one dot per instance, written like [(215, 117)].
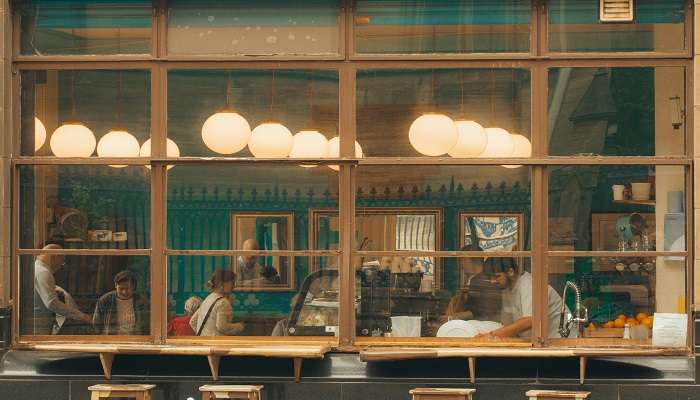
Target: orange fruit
[(630, 318), (622, 317), (619, 323), (609, 324), (647, 322), (641, 317), (632, 322)]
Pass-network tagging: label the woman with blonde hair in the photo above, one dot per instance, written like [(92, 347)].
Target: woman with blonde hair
[(215, 316)]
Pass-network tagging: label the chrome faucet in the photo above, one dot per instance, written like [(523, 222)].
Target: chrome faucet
[(566, 320)]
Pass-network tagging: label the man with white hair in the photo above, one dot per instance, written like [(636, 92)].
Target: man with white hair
[(47, 304)]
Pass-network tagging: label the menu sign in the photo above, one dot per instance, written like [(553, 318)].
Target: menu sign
[(670, 330)]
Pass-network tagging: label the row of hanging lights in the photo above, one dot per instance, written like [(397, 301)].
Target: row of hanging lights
[(74, 139), (227, 132), (436, 134)]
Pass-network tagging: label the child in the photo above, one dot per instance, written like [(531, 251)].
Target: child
[(180, 326)]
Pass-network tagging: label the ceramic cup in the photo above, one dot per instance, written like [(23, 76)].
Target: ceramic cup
[(618, 192), (641, 190)]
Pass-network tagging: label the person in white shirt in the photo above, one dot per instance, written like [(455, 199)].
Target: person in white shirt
[(214, 317), (516, 309), (47, 305)]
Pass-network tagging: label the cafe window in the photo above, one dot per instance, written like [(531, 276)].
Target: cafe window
[(405, 291), (442, 27), (617, 111), (658, 26), (85, 27), (472, 182), (255, 28), (262, 208), (95, 209)]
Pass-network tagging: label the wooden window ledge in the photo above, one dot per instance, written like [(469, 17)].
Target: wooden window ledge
[(371, 354), (107, 352)]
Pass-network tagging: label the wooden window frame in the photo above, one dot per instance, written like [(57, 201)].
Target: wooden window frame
[(537, 61)]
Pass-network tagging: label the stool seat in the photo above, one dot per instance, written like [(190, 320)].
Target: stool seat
[(133, 391), (555, 394), (441, 394), (248, 392)]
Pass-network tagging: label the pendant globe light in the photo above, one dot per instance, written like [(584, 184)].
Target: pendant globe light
[(522, 149), (73, 138), (309, 143), (39, 134), (472, 138), (334, 151), (171, 150), (271, 139), (433, 134), (118, 142), (499, 143), (226, 132)]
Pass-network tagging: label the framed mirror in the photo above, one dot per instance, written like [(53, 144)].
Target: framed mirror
[(263, 231)]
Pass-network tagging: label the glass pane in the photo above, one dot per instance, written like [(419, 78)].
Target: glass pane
[(618, 294), (443, 26), (574, 25), (440, 208), (202, 103), (248, 207), (617, 111), (73, 113), (84, 295), (481, 300), (411, 113), (195, 283), (245, 27), (617, 208), (86, 207), (85, 27)]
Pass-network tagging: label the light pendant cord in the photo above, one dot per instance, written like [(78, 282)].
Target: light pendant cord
[(228, 91), (311, 99), (272, 96)]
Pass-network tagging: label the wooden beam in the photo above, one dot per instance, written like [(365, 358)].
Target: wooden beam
[(297, 369), (582, 369), (106, 360), (214, 366), (472, 369)]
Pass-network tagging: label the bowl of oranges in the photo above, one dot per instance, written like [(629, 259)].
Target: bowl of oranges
[(615, 327)]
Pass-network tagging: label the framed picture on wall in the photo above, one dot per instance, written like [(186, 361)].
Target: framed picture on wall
[(265, 232)]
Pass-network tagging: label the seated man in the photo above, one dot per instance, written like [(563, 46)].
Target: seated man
[(516, 310), (247, 267), (121, 311)]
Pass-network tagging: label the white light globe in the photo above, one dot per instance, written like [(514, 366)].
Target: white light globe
[(433, 134), (226, 132), (334, 151), (72, 139), (118, 143), (171, 150), (522, 149), (500, 144), (39, 134), (309, 143), (271, 140), (471, 142)]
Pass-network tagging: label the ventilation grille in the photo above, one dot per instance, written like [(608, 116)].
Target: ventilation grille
[(616, 10)]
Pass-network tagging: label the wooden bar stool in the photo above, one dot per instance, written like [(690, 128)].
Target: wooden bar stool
[(105, 391), (555, 395), (441, 394), (247, 392)]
